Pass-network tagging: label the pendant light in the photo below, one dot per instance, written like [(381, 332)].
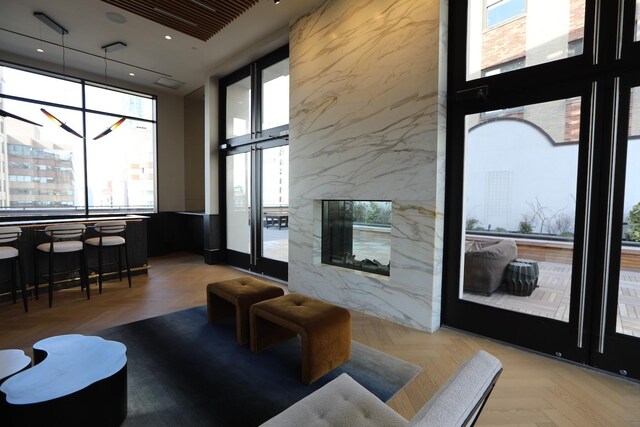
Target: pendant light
[(55, 120), (110, 128), (13, 116), (112, 47)]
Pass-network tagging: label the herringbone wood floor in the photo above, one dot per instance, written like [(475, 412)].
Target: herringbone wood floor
[(533, 390)]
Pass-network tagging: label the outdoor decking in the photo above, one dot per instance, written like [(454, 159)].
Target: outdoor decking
[(552, 297)]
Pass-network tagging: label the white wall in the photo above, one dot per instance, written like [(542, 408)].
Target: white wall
[(367, 122), (194, 151), (170, 153), (509, 163), (523, 166)]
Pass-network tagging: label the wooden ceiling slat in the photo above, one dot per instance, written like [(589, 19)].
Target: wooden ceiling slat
[(204, 18), (207, 22), (167, 21)]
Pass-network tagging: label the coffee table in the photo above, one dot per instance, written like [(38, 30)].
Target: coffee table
[(11, 362), (77, 380)]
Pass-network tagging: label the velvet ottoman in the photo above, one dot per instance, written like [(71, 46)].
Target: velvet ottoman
[(234, 297), (325, 330)]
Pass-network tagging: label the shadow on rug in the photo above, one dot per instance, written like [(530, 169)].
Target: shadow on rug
[(184, 372)]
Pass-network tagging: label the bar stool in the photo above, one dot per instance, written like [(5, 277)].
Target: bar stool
[(111, 234), (62, 239), (10, 252)]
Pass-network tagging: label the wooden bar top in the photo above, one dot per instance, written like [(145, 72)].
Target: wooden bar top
[(80, 219)]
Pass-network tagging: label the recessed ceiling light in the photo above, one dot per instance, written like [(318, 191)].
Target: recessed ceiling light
[(132, 74), (40, 50), (167, 37), (116, 17), (170, 83)]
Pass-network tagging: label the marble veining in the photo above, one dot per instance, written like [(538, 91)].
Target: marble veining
[(367, 122)]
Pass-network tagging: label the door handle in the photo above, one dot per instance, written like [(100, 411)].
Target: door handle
[(609, 217)]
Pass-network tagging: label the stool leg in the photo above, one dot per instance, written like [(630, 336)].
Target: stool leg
[(23, 286), (84, 272), (100, 268), (36, 279), (119, 263), (14, 280), (50, 275), (126, 260)]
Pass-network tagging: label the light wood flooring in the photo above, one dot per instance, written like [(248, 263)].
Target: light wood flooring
[(533, 390)]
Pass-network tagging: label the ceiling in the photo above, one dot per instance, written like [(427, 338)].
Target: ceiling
[(221, 44), (198, 18)]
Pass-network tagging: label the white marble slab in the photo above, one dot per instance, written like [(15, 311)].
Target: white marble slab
[(367, 123)]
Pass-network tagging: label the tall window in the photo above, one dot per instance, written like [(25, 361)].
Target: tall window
[(72, 147)]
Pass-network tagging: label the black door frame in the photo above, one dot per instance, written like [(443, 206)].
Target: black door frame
[(254, 142), (606, 65)]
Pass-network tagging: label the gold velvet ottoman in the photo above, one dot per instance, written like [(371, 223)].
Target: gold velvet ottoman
[(325, 330), (235, 297)]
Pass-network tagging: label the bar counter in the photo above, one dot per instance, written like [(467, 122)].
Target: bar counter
[(31, 236)]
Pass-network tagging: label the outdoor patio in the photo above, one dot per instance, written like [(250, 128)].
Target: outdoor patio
[(550, 299)]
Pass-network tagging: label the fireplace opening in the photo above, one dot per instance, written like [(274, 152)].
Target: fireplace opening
[(356, 234)]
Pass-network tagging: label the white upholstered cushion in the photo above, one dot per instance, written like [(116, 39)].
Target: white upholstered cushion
[(60, 247), (341, 403), (106, 241), (9, 234), (345, 403), (7, 252), (457, 399)]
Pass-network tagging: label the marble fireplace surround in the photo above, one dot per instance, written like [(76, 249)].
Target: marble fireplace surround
[(367, 122)]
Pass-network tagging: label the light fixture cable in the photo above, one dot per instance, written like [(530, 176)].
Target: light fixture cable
[(64, 64)]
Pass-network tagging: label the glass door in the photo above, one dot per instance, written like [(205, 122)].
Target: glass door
[(542, 220), (617, 339), (275, 205), (519, 260), (238, 213), (255, 109), (258, 239), (520, 186)]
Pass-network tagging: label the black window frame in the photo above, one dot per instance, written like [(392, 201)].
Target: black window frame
[(602, 75), (254, 71), (87, 211)]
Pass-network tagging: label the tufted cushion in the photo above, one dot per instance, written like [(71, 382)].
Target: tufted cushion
[(340, 403), (307, 313)]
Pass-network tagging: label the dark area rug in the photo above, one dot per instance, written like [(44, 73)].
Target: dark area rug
[(184, 372)]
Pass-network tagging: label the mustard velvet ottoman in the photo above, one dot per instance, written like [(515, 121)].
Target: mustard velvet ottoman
[(234, 297), (325, 330)]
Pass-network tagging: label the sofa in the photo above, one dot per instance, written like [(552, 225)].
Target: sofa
[(485, 264), (343, 402)]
